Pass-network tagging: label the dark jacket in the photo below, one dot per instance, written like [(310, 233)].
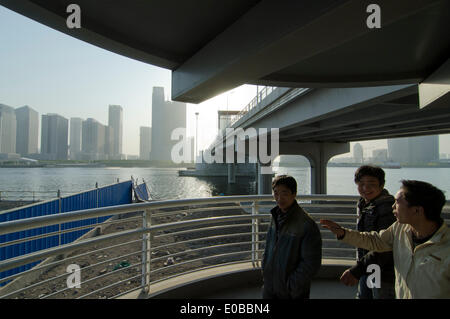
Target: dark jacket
[(293, 254), (375, 216)]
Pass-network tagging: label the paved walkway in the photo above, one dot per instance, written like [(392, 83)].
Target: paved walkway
[(320, 289)]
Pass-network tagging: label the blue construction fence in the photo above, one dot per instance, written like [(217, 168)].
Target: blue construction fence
[(111, 195)]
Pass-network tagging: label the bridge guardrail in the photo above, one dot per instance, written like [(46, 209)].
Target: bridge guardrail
[(255, 101)]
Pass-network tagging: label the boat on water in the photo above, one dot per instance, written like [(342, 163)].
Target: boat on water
[(394, 165)]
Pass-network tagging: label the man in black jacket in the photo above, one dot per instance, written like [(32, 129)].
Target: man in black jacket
[(293, 252), (374, 211)]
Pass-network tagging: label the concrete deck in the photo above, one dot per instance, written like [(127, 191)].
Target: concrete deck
[(320, 289), (243, 281)]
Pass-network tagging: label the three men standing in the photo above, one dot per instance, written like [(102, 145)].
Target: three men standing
[(416, 245)]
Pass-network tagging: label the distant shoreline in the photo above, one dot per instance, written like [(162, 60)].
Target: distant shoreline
[(98, 164), (144, 164)]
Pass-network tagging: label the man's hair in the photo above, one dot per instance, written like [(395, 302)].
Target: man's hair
[(431, 198), (286, 180), (370, 170)]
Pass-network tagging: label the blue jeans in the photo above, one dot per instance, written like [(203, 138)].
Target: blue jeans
[(386, 291)]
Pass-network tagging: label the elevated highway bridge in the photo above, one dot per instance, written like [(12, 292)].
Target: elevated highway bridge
[(319, 123)]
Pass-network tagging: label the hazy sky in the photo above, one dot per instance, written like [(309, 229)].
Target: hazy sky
[(55, 73)]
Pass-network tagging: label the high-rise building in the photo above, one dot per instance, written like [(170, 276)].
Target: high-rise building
[(115, 121), (27, 130), (54, 137), (145, 140), (93, 140), (379, 155), (414, 150), (109, 141), (75, 137), (7, 129), (166, 116), (358, 153)]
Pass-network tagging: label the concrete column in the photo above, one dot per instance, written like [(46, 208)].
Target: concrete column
[(264, 181), (231, 173), (318, 155), (318, 173)]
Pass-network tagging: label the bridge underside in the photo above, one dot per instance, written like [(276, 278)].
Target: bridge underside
[(212, 47), (320, 123), (340, 115)]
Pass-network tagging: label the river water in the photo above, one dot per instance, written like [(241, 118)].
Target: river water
[(164, 183)]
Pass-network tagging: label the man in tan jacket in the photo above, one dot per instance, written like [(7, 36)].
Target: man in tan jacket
[(419, 239)]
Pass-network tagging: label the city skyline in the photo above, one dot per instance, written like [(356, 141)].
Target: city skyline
[(55, 73), (166, 112), (98, 142)]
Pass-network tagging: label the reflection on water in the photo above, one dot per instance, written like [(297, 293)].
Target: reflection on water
[(164, 183), (170, 186), (301, 174)]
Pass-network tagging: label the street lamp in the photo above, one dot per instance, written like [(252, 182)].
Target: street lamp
[(196, 136), (257, 91)]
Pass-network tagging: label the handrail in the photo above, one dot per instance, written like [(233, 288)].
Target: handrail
[(255, 101), (239, 235), (35, 222), (284, 97)]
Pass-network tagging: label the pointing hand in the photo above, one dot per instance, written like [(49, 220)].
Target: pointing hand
[(335, 228)]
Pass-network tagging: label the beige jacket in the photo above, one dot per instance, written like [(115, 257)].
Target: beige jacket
[(420, 273)]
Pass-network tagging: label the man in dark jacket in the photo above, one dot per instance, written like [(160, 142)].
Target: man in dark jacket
[(293, 252), (374, 211)]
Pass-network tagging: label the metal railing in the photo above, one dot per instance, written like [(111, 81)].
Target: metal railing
[(147, 243), (151, 242), (254, 102)]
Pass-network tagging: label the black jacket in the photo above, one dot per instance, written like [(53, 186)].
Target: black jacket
[(375, 216), (293, 254)]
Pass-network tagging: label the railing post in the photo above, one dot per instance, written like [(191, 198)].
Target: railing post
[(146, 251), (59, 212), (255, 235), (96, 202)]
